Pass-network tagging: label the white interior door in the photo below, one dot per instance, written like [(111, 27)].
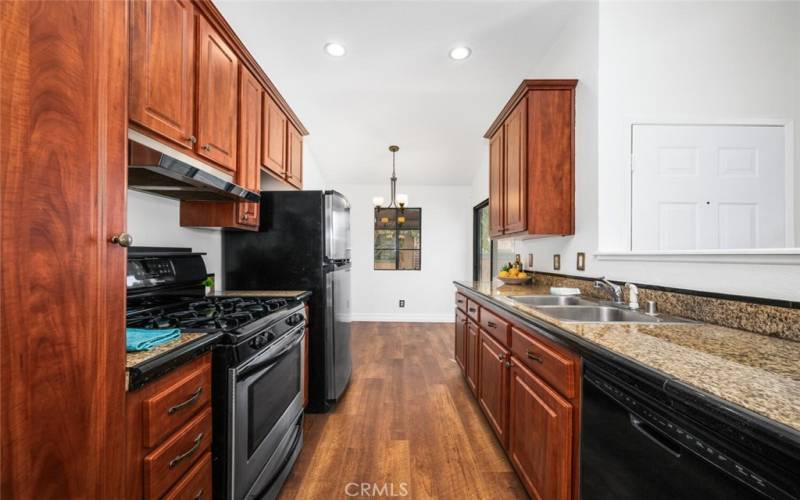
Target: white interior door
[(700, 187)]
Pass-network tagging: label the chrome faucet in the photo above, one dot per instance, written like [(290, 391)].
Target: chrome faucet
[(614, 290)]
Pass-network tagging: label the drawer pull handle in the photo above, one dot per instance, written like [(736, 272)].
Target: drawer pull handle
[(187, 402), (199, 494), (472, 309), (175, 461), (491, 324), (534, 357)]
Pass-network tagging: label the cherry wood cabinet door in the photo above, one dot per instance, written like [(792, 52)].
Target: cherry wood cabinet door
[(63, 163), (248, 172), (273, 141), (496, 183), (217, 92), (472, 356), (515, 204), (294, 157), (540, 439), (493, 384), (162, 64), (460, 339)]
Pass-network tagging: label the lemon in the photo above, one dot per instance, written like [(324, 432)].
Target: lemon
[(503, 274), (522, 275)]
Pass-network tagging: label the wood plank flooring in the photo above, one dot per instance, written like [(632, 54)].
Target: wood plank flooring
[(407, 424)]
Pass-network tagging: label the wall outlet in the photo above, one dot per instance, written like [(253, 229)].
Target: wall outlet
[(402, 303)]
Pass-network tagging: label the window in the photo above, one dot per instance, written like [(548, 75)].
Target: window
[(481, 243), (398, 239)]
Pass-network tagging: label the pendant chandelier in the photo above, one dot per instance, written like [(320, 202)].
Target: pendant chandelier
[(397, 201)]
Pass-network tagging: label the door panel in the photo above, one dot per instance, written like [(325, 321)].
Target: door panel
[(217, 84), (496, 184), (294, 157), (162, 68), (540, 435), (273, 141), (340, 357), (493, 384), (515, 184), (248, 172), (460, 338), (472, 356)]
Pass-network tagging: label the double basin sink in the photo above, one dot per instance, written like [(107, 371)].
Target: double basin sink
[(581, 310)]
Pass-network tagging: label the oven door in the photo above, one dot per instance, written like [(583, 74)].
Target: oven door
[(266, 403)]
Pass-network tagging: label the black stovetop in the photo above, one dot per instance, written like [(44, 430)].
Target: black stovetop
[(200, 313)]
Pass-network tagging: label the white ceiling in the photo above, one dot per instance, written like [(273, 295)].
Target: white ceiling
[(397, 85)]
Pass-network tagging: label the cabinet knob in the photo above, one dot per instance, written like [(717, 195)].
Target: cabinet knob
[(500, 357), (191, 139), (122, 239), (245, 216), (509, 364), (207, 147)]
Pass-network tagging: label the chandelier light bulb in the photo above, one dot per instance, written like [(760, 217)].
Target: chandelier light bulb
[(377, 201)]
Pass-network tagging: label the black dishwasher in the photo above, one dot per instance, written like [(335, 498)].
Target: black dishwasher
[(637, 444)]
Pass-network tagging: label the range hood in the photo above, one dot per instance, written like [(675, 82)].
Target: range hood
[(156, 172)]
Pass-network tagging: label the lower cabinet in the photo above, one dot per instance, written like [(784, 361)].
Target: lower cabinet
[(460, 341), (493, 384), (472, 356), (169, 435), (540, 435), (528, 387)]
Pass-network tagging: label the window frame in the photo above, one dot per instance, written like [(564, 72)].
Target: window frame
[(476, 245), (396, 248)]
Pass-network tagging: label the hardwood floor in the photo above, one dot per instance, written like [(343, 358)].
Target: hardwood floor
[(407, 424)]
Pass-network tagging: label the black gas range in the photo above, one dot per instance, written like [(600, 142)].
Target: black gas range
[(257, 365)]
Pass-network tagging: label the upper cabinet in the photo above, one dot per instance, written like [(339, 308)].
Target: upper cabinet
[(294, 158), (273, 145), (162, 59), (532, 161), (248, 173), (217, 76)]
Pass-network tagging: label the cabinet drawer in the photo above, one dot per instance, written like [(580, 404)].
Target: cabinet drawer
[(553, 365), (461, 302), (472, 310), (170, 461), (167, 410), (495, 326), (196, 484)]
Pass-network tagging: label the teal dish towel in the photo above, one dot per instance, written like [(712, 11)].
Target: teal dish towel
[(143, 339)]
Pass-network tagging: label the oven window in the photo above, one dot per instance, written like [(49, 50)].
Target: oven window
[(270, 395)]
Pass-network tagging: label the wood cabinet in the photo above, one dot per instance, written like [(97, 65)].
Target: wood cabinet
[(528, 387), (217, 91), (532, 161), (294, 158), (248, 172), (493, 384), (273, 143), (540, 434), (162, 83), (169, 434), (471, 356), (62, 197), (460, 341)]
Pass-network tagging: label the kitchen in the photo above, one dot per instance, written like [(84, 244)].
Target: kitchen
[(210, 290)]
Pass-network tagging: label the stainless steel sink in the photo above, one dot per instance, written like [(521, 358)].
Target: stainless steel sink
[(605, 314), (550, 300)]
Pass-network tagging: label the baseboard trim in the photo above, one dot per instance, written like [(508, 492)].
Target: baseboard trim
[(403, 318)]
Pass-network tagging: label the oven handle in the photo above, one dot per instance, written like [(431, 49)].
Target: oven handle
[(250, 370)]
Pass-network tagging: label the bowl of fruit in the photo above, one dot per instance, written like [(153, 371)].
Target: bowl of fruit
[(511, 274)]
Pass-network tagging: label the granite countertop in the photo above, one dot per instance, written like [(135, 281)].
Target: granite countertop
[(756, 372), (144, 366), (289, 294)]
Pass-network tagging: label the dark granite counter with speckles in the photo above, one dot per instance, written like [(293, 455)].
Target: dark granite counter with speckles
[(758, 373)]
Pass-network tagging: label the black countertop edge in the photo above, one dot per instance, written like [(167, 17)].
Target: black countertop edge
[(775, 433), (303, 297), (151, 369)]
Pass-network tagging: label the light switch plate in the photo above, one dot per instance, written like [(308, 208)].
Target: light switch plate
[(530, 261), (581, 264), (557, 262)]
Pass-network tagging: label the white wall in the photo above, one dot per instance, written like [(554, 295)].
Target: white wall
[(676, 59), (446, 219)]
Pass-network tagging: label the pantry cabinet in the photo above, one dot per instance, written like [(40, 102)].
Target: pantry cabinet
[(528, 387), (217, 76), (531, 161), (162, 60)]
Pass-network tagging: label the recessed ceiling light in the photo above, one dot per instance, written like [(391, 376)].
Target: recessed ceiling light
[(460, 53), (335, 49)]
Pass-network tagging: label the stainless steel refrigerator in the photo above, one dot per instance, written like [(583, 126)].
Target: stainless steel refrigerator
[(303, 243)]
